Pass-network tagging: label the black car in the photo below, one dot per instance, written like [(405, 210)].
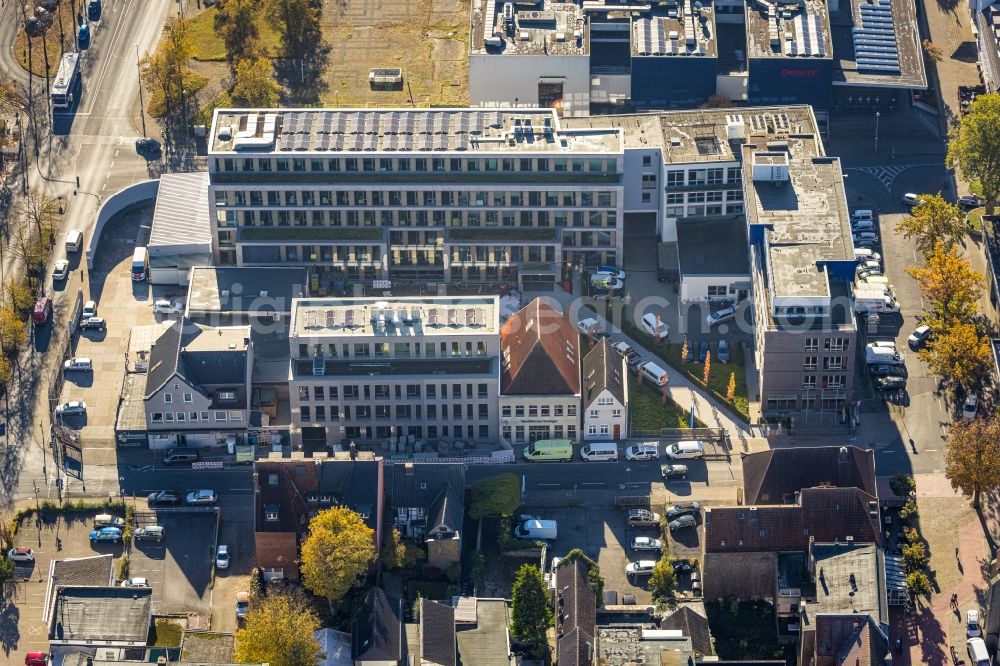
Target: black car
[(683, 509), (94, 10), (163, 497), (722, 355), (633, 359), (702, 351), (674, 471), (147, 146), (892, 382), (885, 370), (970, 201), (682, 522)]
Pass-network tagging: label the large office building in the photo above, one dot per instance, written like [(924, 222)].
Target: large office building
[(583, 57), (425, 196), (395, 373)]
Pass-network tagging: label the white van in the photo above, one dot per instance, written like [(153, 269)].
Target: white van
[(600, 452), (866, 254), (883, 356), (535, 529), (140, 264), (875, 279), (977, 652), (653, 373), (74, 240), (862, 214), (685, 450)]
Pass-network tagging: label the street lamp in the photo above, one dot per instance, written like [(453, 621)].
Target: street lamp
[(877, 114)]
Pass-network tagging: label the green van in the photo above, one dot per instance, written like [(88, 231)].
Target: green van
[(549, 449)]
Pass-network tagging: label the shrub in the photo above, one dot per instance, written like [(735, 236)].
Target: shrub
[(123, 567), (663, 581), (909, 510), (902, 484), (915, 556), (918, 584), (256, 583)]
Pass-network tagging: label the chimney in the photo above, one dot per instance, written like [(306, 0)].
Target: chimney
[(408, 469), (843, 455)]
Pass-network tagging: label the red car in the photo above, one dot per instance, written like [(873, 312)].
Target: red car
[(36, 659), (43, 310)]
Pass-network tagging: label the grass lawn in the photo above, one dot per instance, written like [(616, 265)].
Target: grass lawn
[(209, 45), (647, 411), (66, 35), (718, 375)]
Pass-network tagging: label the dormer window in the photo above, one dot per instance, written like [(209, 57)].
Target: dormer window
[(270, 515)]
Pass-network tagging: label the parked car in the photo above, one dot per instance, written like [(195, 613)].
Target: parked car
[(970, 201), (865, 236), (722, 355), (138, 581), (612, 271), (682, 522), (22, 554), (222, 557), (911, 199), (719, 316), (93, 324), (862, 225), (681, 566), (60, 270), (83, 36), (640, 568), (623, 348), (164, 306), (585, 326), (644, 451), (106, 534), (89, 310), (163, 497), (969, 407), (673, 472), (71, 408), (107, 520), (869, 266), (42, 312), (702, 351), (149, 533), (94, 10), (147, 146), (36, 659), (642, 518), (890, 382), (646, 543), (78, 364), (862, 242), (633, 359), (242, 604), (683, 509), (201, 497), (972, 627), (653, 325), (886, 370), (921, 334)]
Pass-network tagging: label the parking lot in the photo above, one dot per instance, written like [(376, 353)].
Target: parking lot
[(179, 568)]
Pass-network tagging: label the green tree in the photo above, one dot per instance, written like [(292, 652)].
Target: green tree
[(972, 460), (495, 496), (237, 23), (531, 614), (974, 147), (915, 556), (594, 579), (19, 297), (663, 581), (254, 84), (902, 484), (40, 211), (279, 631), (918, 584), (934, 221), (393, 550), (13, 334), (337, 552), (165, 71), (951, 286), (298, 23)]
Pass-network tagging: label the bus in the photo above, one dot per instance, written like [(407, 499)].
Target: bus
[(67, 81)]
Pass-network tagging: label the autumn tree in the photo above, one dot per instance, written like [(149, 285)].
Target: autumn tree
[(298, 23), (40, 211), (960, 353), (278, 630), (336, 553), (663, 580), (950, 285), (165, 71), (708, 367), (935, 221), (11, 99), (932, 51), (972, 461), (254, 84), (531, 614), (13, 334), (393, 550), (974, 147), (18, 297), (236, 22), (731, 389), (496, 495)]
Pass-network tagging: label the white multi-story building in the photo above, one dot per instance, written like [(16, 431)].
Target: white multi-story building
[(418, 195), (539, 376), (406, 372)]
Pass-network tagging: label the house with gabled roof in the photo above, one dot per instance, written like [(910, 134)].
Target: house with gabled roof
[(775, 476), (198, 384), (438, 645), (576, 616), (378, 635), (605, 394), (427, 500), (539, 376)]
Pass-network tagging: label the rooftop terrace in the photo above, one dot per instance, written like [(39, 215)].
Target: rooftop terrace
[(317, 132), (395, 317)]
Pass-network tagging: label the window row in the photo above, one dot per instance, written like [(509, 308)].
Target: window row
[(520, 434), (447, 198), (713, 176), (368, 433), (416, 218), (417, 165), (451, 349), (829, 344), (707, 210), (829, 363), (826, 382), (538, 410), (712, 196), (321, 392), (219, 415), (310, 413)]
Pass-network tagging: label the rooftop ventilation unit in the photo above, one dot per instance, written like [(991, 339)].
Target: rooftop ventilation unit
[(736, 129)]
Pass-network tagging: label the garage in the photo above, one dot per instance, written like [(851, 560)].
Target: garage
[(181, 234)]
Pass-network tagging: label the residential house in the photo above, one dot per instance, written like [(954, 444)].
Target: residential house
[(198, 385), (290, 491), (775, 476), (693, 625), (427, 501), (576, 616), (605, 394), (111, 623), (539, 376), (438, 646), (378, 635)]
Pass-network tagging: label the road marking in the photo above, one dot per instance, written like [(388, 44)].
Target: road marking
[(549, 485), (111, 49), (931, 450)]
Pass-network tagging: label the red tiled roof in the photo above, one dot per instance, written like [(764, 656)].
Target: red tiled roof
[(541, 352)]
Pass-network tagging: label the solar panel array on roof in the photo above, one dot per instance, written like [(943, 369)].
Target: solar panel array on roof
[(875, 47), (810, 39)]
